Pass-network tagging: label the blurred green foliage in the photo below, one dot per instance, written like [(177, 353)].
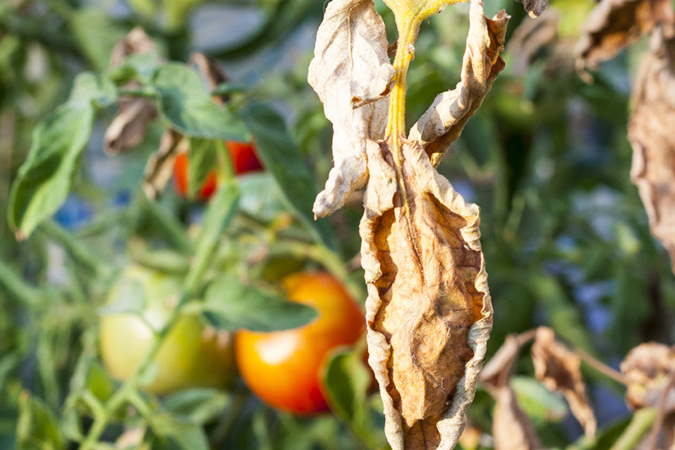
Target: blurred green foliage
[(565, 235)]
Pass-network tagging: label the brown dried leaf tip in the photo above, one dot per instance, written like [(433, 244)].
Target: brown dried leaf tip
[(615, 24), (648, 368), (428, 311), (650, 131), (511, 428), (129, 126), (560, 370)]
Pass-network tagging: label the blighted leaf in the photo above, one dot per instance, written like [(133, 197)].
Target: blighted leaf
[(212, 73), (647, 369), (445, 119), (560, 370), (159, 168), (615, 24), (428, 311), (44, 179), (130, 124), (351, 73), (511, 428), (651, 135)]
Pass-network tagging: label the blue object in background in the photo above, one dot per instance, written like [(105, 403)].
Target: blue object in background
[(73, 213)]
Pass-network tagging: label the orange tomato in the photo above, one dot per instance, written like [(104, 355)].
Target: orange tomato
[(283, 368)]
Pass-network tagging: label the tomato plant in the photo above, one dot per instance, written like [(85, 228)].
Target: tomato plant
[(284, 367), (190, 356), (244, 160)]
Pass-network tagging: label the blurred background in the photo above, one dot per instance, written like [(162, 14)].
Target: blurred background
[(565, 235)]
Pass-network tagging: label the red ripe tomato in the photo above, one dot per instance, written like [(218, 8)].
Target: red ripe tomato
[(283, 368), (244, 157), (180, 174)]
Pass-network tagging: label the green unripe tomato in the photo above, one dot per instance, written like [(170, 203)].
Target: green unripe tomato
[(191, 355)]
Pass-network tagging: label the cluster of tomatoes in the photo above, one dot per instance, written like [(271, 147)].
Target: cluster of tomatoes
[(282, 368)]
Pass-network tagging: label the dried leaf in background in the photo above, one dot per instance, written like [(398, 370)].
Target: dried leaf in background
[(614, 24), (130, 124), (512, 429), (350, 72), (159, 168), (650, 131), (530, 38), (560, 370), (534, 7), (428, 311), (445, 119), (647, 369)]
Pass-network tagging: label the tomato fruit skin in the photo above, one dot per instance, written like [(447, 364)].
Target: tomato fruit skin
[(244, 157), (190, 356), (180, 174), (283, 368)]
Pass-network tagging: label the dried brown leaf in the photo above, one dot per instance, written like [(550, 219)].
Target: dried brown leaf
[(159, 168), (615, 24), (445, 119), (647, 369), (511, 428), (560, 370), (428, 310), (129, 126), (351, 73), (650, 132)]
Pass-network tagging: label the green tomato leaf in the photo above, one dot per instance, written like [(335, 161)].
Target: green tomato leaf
[(91, 88), (37, 427), (347, 380), (186, 106), (219, 214), (198, 405), (44, 179), (203, 159), (136, 67), (232, 305), (281, 157), (540, 404), (171, 433), (96, 35)]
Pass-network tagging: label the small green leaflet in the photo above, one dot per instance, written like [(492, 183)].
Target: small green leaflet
[(232, 305), (203, 159)]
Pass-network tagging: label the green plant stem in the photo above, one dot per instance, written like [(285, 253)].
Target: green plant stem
[(641, 423), (166, 224), (17, 287)]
